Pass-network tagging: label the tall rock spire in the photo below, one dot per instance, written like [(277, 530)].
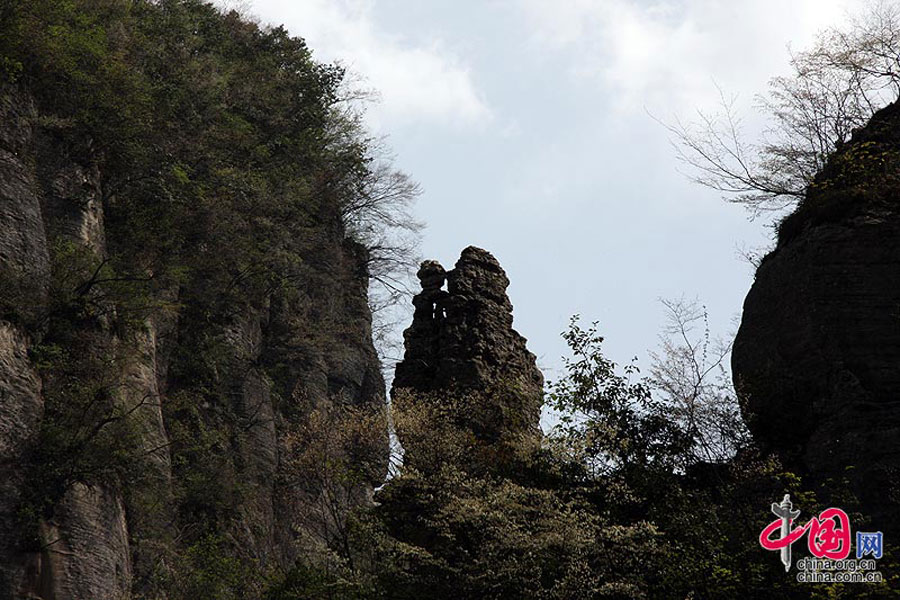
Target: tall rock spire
[(462, 341)]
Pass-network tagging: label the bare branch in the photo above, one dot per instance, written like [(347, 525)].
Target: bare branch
[(835, 88), (690, 374)]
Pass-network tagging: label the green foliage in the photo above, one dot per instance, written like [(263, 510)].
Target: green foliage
[(451, 534), (88, 433), (223, 147), (866, 164), (309, 582), (614, 505), (88, 430), (207, 489), (611, 420), (476, 430), (859, 178), (211, 571), (10, 69), (493, 518), (638, 467)]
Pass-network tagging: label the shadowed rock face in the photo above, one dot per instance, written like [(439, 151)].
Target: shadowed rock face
[(461, 340), (817, 358), (278, 357)]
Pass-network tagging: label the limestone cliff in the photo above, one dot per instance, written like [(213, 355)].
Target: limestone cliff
[(462, 340), (817, 358), (137, 422)]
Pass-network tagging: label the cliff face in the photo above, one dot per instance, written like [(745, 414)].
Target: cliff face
[(193, 386), (817, 358), (461, 341)]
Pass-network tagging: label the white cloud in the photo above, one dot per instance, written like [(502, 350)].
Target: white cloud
[(414, 82), (668, 53)]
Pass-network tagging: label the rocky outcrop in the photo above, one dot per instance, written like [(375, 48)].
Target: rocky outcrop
[(21, 408), (24, 259), (86, 553), (268, 359), (462, 341), (817, 358)]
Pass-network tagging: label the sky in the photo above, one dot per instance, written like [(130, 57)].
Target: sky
[(533, 129)]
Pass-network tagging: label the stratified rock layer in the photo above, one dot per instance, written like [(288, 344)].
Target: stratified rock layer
[(817, 358), (462, 341)]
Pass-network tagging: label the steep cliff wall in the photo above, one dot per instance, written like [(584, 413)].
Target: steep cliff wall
[(273, 361), (817, 357), (177, 295)]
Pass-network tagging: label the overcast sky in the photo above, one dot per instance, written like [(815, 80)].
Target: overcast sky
[(528, 124)]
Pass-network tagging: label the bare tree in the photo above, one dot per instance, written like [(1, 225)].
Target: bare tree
[(376, 206), (836, 86), (690, 373)]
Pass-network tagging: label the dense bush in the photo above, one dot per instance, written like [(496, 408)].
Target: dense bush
[(615, 504)]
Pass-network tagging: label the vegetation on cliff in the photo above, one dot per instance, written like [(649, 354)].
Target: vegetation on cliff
[(205, 186), (618, 502), (244, 210)]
